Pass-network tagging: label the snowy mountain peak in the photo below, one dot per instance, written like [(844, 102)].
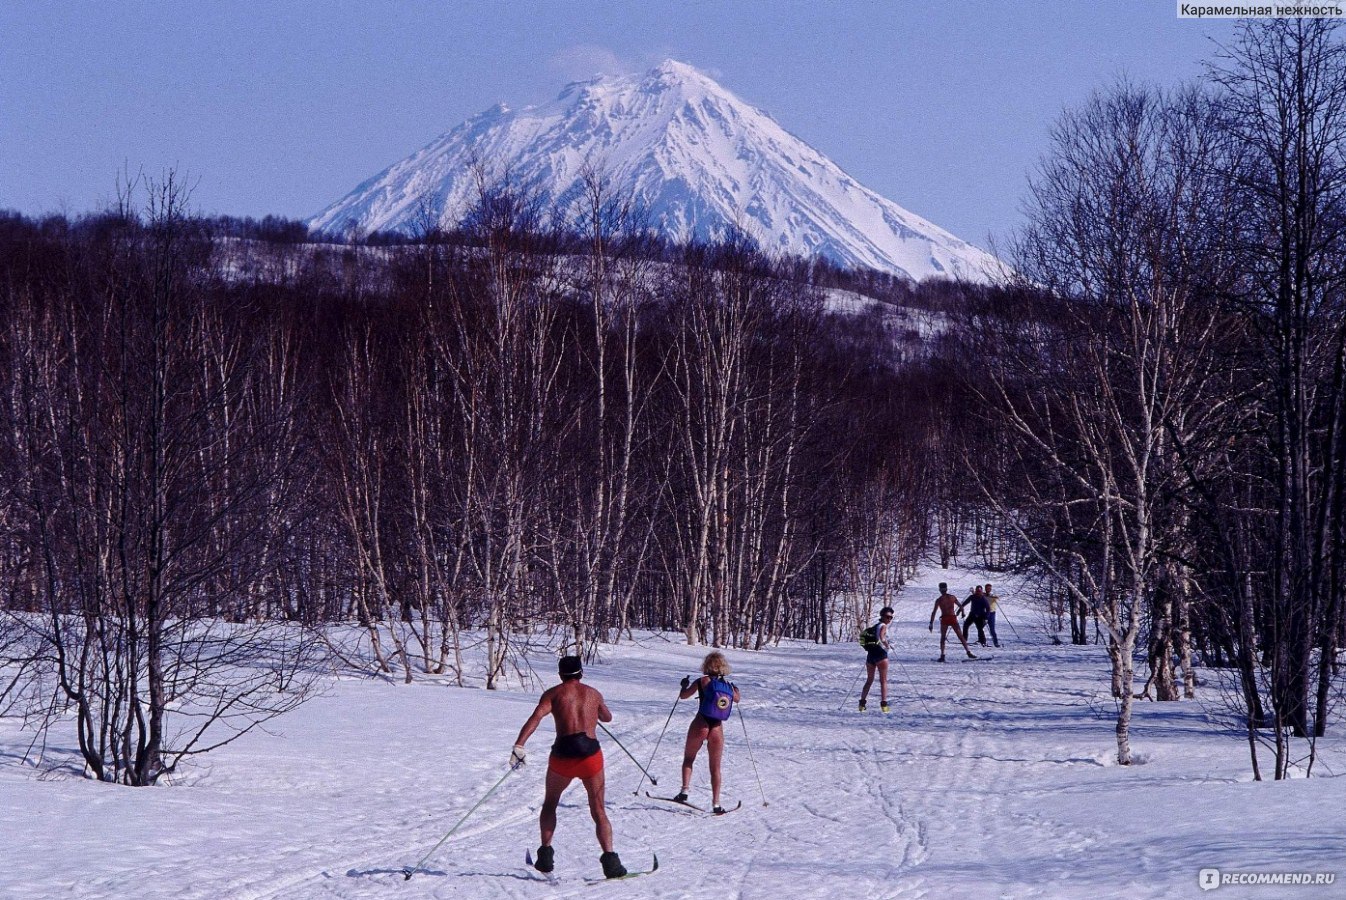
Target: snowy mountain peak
[(697, 160), (673, 68), (672, 74)]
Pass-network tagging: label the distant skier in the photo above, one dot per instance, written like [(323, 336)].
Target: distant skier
[(978, 607), (947, 607), (577, 710), (716, 701), (875, 641), (994, 601)]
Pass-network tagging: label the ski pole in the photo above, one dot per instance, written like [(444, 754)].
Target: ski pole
[(744, 722), (847, 698), (653, 780), (912, 684), (411, 871), (1010, 624), (655, 752)]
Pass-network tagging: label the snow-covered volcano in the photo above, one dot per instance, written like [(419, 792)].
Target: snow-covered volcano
[(695, 158)]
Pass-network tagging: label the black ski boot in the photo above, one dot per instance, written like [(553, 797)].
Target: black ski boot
[(719, 810), (546, 859), (612, 865), (862, 706), (680, 797)]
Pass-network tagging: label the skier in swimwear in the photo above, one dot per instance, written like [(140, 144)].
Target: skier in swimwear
[(705, 730), (947, 607), (876, 660), (577, 709)]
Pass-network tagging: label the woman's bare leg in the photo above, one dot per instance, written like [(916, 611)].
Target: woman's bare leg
[(696, 736), (715, 751)]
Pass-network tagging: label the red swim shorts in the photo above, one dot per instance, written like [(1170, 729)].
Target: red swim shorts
[(948, 620), (576, 768)]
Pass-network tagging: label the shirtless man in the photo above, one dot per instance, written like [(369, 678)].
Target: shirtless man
[(577, 709), (947, 607)]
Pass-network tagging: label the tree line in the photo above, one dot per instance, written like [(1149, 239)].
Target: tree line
[(1161, 388), (214, 445), (219, 437)]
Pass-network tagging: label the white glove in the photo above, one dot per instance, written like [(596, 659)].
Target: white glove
[(517, 756)]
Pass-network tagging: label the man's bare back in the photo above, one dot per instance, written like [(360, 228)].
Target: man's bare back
[(576, 708)]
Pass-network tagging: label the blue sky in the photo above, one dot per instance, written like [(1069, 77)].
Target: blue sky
[(282, 107)]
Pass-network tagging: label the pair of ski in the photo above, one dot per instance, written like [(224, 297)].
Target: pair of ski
[(654, 867), (700, 809)]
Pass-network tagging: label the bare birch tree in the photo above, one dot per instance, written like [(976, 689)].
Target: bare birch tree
[(1284, 99), (1092, 385), (149, 501)]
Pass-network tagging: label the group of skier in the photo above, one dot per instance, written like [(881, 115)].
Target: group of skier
[(578, 710), (981, 606)]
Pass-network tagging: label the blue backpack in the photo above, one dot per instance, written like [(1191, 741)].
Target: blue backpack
[(717, 699)]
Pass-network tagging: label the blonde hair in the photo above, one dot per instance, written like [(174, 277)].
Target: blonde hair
[(715, 664)]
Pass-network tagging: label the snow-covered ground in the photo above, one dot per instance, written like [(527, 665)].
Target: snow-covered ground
[(993, 778)]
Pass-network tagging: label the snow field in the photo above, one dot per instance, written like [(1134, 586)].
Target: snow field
[(999, 781)]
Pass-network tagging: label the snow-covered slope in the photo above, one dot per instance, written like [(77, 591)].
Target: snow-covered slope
[(992, 778), (696, 159)]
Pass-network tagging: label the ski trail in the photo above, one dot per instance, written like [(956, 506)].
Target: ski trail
[(836, 760), (399, 844), (993, 777)]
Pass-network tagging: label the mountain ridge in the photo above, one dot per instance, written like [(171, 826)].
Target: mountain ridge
[(694, 158)]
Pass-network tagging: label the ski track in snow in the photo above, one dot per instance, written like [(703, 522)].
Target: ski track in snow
[(1002, 783)]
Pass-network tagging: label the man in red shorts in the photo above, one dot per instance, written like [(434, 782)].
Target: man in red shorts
[(947, 607), (577, 709)]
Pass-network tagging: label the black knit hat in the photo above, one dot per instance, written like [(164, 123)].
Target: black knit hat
[(570, 666)]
